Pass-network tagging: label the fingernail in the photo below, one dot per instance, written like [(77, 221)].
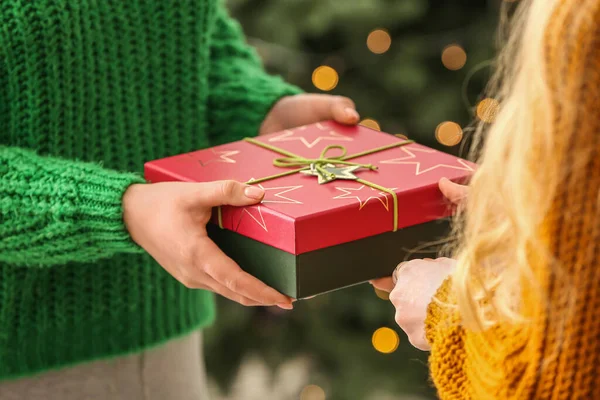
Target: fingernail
[(351, 113), (285, 306), (254, 192)]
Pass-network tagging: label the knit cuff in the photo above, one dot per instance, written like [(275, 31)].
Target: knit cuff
[(57, 211), (438, 309), (100, 210)]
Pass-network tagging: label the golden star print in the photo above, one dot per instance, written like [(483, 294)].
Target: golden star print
[(278, 197), (430, 162), (218, 156), (255, 213), (289, 135), (363, 194), (281, 199)]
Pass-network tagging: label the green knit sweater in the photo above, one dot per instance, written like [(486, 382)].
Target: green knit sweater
[(90, 90)]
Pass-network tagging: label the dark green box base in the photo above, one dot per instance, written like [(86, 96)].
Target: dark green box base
[(320, 271)]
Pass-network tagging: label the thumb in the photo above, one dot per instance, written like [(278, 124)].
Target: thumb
[(343, 110), (229, 193), (385, 284), (453, 191)]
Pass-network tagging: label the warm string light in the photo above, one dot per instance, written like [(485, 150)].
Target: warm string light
[(325, 78), (487, 109), (370, 123), (379, 41), (385, 340), (449, 133), (454, 57), (312, 392)]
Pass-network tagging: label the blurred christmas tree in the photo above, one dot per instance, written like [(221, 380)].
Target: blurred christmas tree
[(408, 89), (428, 74)]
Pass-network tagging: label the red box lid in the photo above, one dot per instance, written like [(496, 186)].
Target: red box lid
[(299, 215)]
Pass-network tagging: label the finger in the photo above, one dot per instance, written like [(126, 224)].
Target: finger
[(397, 270), (323, 107), (344, 111), (227, 273), (385, 284), (417, 340), (453, 191), (231, 193), (229, 294), (201, 280)]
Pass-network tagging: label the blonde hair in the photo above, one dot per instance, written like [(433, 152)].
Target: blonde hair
[(511, 193)]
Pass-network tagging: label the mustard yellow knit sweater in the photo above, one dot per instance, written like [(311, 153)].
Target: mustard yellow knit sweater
[(557, 354)]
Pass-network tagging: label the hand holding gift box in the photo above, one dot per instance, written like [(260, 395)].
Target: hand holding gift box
[(342, 204), (169, 221)]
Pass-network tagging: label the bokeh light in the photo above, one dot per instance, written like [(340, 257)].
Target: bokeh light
[(382, 294), (379, 41), (454, 57), (449, 133), (487, 109), (312, 392), (370, 123), (385, 340), (325, 78)]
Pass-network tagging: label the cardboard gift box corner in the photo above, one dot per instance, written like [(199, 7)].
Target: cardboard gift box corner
[(381, 205)]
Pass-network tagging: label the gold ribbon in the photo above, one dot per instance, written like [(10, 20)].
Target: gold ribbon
[(292, 160), (318, 163)]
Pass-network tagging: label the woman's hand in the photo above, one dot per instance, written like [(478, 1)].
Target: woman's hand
[(454, 192), (304, 109), (169, 221), (416, 282)]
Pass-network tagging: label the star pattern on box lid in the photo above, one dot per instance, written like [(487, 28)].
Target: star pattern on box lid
[(363, 194), (218, 156), (430, 163), (280, 198), (291, 135), (255, 213)]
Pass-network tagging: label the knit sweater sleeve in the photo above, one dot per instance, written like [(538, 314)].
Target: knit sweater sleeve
[(241, 91), (55, 211), (496, 363), (446, 337)]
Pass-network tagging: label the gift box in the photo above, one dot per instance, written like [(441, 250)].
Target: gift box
[(342, 205)]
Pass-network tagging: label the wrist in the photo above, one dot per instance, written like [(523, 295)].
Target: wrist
[(271, 123), (131, 208)]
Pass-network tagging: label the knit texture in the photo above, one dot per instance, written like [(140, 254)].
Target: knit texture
[(555, 353), (89, 91)]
